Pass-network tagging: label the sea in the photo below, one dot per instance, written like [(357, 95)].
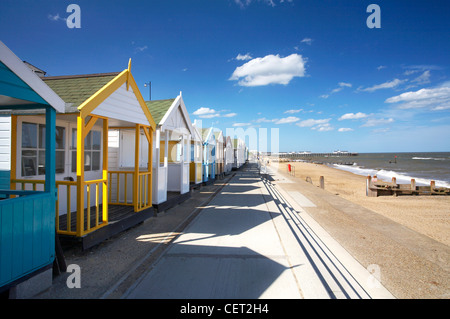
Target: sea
[(423, 167)]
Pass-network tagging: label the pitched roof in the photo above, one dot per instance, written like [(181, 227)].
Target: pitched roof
[(158, 108), (204, 132), (75, 89)]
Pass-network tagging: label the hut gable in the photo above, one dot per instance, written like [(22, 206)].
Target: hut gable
[(75, 89)]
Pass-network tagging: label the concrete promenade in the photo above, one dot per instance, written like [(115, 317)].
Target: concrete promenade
[(254, 240), (243, 237)]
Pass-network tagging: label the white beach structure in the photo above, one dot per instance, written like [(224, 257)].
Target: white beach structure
[(220, 153), (239, 153), (229, 155), (195, 166), (172, 152)]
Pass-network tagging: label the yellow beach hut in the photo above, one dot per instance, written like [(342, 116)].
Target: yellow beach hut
[(89, 205)]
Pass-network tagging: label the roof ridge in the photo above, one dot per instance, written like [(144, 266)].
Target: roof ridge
[(76, 76)]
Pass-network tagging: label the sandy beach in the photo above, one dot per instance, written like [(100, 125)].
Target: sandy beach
[(428, 215)]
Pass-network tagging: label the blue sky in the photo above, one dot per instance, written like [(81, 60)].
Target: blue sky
[(312, 69)]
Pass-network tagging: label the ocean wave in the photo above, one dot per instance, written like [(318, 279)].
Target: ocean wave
[(388, 174), (430, 158)]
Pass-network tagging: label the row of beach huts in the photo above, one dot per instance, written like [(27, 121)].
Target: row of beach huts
[(83, 157)]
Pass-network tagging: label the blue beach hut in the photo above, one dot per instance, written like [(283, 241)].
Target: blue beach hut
[(27, 218), (209, 155)]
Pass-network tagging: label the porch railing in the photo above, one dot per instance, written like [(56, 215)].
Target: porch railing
[(66, 224), (120, 189)]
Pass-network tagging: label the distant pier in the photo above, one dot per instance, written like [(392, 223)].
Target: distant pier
[(299, 155)]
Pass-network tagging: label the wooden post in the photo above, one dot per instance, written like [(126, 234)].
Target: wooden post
[(80, 176), (413, 185), (136, 168), (369, 191), (322, 182), (105, 173), (432, 186)]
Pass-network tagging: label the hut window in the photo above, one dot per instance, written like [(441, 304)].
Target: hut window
[(92, 149), (33, 149)]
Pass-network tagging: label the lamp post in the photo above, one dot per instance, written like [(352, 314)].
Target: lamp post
[(149, 84)]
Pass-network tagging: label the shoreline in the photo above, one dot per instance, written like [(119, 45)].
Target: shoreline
[(428, 215)]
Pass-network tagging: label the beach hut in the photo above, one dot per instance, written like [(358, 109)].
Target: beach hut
[(92, 200), (220, 153), (195, 166), (172, 154), (229, 155), (238, 150), (209, 155), (27, 218)]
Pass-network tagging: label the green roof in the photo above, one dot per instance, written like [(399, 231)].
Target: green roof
[(204, 132), (159, 108), (76, 89)]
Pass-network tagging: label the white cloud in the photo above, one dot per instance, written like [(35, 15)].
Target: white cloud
[(320, 125), (353, 116), (244, 57), (204, 110), (271, 69), (263, 119), (293, 111), (435, 99), (308, 41), (341, 85), (245, 3), (241, 124), (289, 119), (385, 85), (381, 67), (423, 78), (55, 17), (323, 127), (140, 49), (345, 129), (206, 113), (312, 122), (377, 122)]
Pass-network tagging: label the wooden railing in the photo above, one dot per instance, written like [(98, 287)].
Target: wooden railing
[(64, 224), (144, 196), (115, 186), (119, 184)]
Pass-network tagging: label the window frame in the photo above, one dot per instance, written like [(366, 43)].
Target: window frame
[(40, 149)]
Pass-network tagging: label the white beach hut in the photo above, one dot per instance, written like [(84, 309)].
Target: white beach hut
[(239, 153), (195, 166), (220, 153), (172, 153), (209, 155), (229, 155)]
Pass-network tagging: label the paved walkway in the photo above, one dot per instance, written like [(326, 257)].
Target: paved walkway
[(255, 241)]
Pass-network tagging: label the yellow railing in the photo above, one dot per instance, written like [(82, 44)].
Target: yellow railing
[(115, 186), (118, 181), (144, 198), (98, 184), (67, 228)]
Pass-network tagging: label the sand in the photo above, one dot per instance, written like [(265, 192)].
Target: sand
[(428, 215)]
